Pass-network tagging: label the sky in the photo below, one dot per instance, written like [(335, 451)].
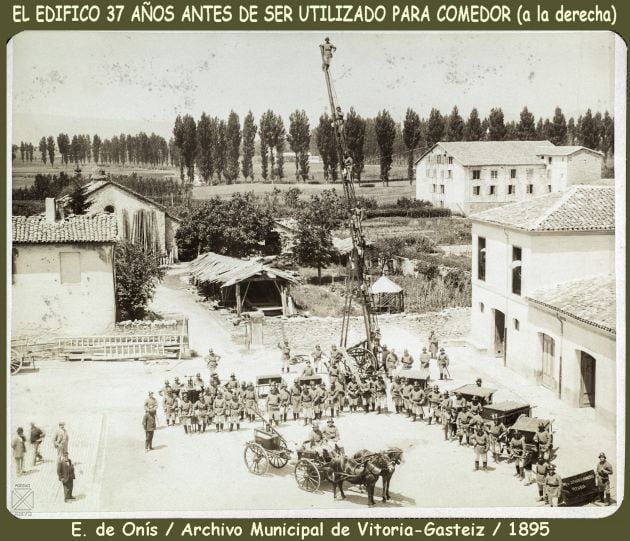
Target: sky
[(113, 82)]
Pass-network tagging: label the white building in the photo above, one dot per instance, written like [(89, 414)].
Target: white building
[(62, 275), (543, 292), (476, 175)]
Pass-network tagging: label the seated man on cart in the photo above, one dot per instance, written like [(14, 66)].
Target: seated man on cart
[(316, 443), (331, 437)]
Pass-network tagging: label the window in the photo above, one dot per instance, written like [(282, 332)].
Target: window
[(439, 158), (441, 204), (530, 188), (70, 267), (434, 188), (516, 270), (549, 188), (512, 173), (481, 258), (482, 307), (441, 188), (109, 208), (476, 174), (511, 189), (529, 173), (493, 190), (476, 190), (517, 325), (550, 159), (494, 174), (450, 160), (450, 173)]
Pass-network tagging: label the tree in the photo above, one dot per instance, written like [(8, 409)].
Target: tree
[(597, 130), (237, 227), (205, 142), (571, 132), (511, 131), (558, 128), (473, 130), (540, 131), (75, 149), (220, 147), (43, 149), (249, 137), (31, 150), (526, 129), (178, 135), (455, 126), (411, 137), (79, 203), (435, 127), (233, 136), (137, 276), (355, 141), (316, 221), (299, 138), (14, 152), (96, 147), (385, 134), (50, 147), (327, 146), (22, 150), (189, 146), (496, 125), (608, 134)]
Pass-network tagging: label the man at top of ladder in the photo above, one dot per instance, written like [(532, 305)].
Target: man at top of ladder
[(327, 50)]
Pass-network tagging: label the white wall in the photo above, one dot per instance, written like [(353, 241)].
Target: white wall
[(42, 305), (584, 167)]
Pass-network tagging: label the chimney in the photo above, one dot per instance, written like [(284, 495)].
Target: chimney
[(50, 210)]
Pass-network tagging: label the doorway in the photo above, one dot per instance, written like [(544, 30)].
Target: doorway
[(548, 362), (499, 333), (587, 385)]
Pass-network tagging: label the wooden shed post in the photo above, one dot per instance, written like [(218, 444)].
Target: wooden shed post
[(238, 299), (283, 297)]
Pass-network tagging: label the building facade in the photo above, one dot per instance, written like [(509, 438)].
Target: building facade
[(523, 254), (470, 177), (62, 275)]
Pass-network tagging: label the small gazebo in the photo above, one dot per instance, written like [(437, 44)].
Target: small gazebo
[(387, 296)]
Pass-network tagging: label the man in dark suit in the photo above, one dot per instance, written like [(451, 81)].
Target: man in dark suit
[(65, 472), (148, 423)]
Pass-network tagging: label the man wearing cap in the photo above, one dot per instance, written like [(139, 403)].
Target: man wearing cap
[(327, 49), (518, 452), (169, 405), (273, 405), (176, 387), (553, 486), (417, 398), (481, 448), (232, 383), (316, 439), (443, 362), (250, 401), (540, 470), (434, 397), (353, 395), (186, 413), (380, 395), (151, 405), (212, 362), (407, 389), (37, 436), (163, 392), (391, 363), (433, 344), (407, 360), (331, 436), (65, 473), (497, 437), (459, 403), (285, 401), (285, 356), (234, 409), (542, 439), (449, 417), (476, 407), (296, 404), (317, 358), (219, 407), (396, 396), (148, 424), (60, 441), (366, 394), (320, 396), (333, 371), (306, 402), (425, 359), (603, 472), (463, 425), (307, 370)]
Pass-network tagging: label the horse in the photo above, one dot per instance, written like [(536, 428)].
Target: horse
[(387, 460), (358, 470)]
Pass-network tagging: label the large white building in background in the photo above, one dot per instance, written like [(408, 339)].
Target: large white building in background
[(473, 176), (543, 292)]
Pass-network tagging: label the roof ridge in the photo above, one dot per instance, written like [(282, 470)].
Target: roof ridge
[(553, 208)]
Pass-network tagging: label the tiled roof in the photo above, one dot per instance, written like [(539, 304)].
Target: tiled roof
[(590, 300), (470, 153), (566, 151), (580, 208), (85, 228)]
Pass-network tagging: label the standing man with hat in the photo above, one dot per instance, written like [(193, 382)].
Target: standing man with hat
[(306, 403), (285, 356), (317, 358), (148, 424), (481, 448), (553, 486), (331, 436), (327, 49), (433, 344), (425, 359), (542, 439), (603, 470), (151, 405), (443, 362), (65, 473), (60, 441)]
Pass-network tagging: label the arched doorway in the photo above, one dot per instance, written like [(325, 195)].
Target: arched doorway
[(587, 380)]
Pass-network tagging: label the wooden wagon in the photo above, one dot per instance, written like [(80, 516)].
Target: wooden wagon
[(506, 412), (470, 391)]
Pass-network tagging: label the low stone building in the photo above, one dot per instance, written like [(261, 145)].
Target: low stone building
[(63, 274)]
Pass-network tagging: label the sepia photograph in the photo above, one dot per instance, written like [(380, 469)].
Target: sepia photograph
[(310, 274)]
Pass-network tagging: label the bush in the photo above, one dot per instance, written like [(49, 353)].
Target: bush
[(423, 212), (27, 207), (368, 203)]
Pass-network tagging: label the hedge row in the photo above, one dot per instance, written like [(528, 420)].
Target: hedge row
[(428, 212)]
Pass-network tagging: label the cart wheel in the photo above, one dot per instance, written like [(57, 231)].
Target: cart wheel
[(362, 356), (256, 458), (16, 361), (280, 458), (296, 359), (307, 475)]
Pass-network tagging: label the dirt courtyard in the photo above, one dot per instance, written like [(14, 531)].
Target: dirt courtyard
[(204, 473)]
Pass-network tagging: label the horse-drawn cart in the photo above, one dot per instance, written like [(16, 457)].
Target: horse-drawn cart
[(470, 391), (507, 412), (24, 352)]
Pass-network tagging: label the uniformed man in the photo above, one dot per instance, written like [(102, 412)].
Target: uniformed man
[(241, 398), (333, 371), (234, 408), (373, 381), (449, 417), (540, 470), (384, 354), (425, 359), (381, 395), (366, 394), (320, 396), (459, 403), (396, 389), (227, 393), (273, 405), (476, 407), (353, 395), (603, 472), (542, 439), (497, 438), (476, 420), (307, 370), (285, 401), (406, 394), (306, 402), (296, 404), (391, 363), (443, 362), (518, 452), (327, 49), (177, 386), (481, 448), (317, 358), (316, 439), (232, 382), (463, 428), (434, 397), (331, 436), (407, 360), (164, 391), (201, 413), (169, 405), (333, 398), (553, 486), (250, 402), (478, 382), (186, 413), (417, 398), (212, 362), (433, 344), (218, 409), (151, 405), (285, 356)]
